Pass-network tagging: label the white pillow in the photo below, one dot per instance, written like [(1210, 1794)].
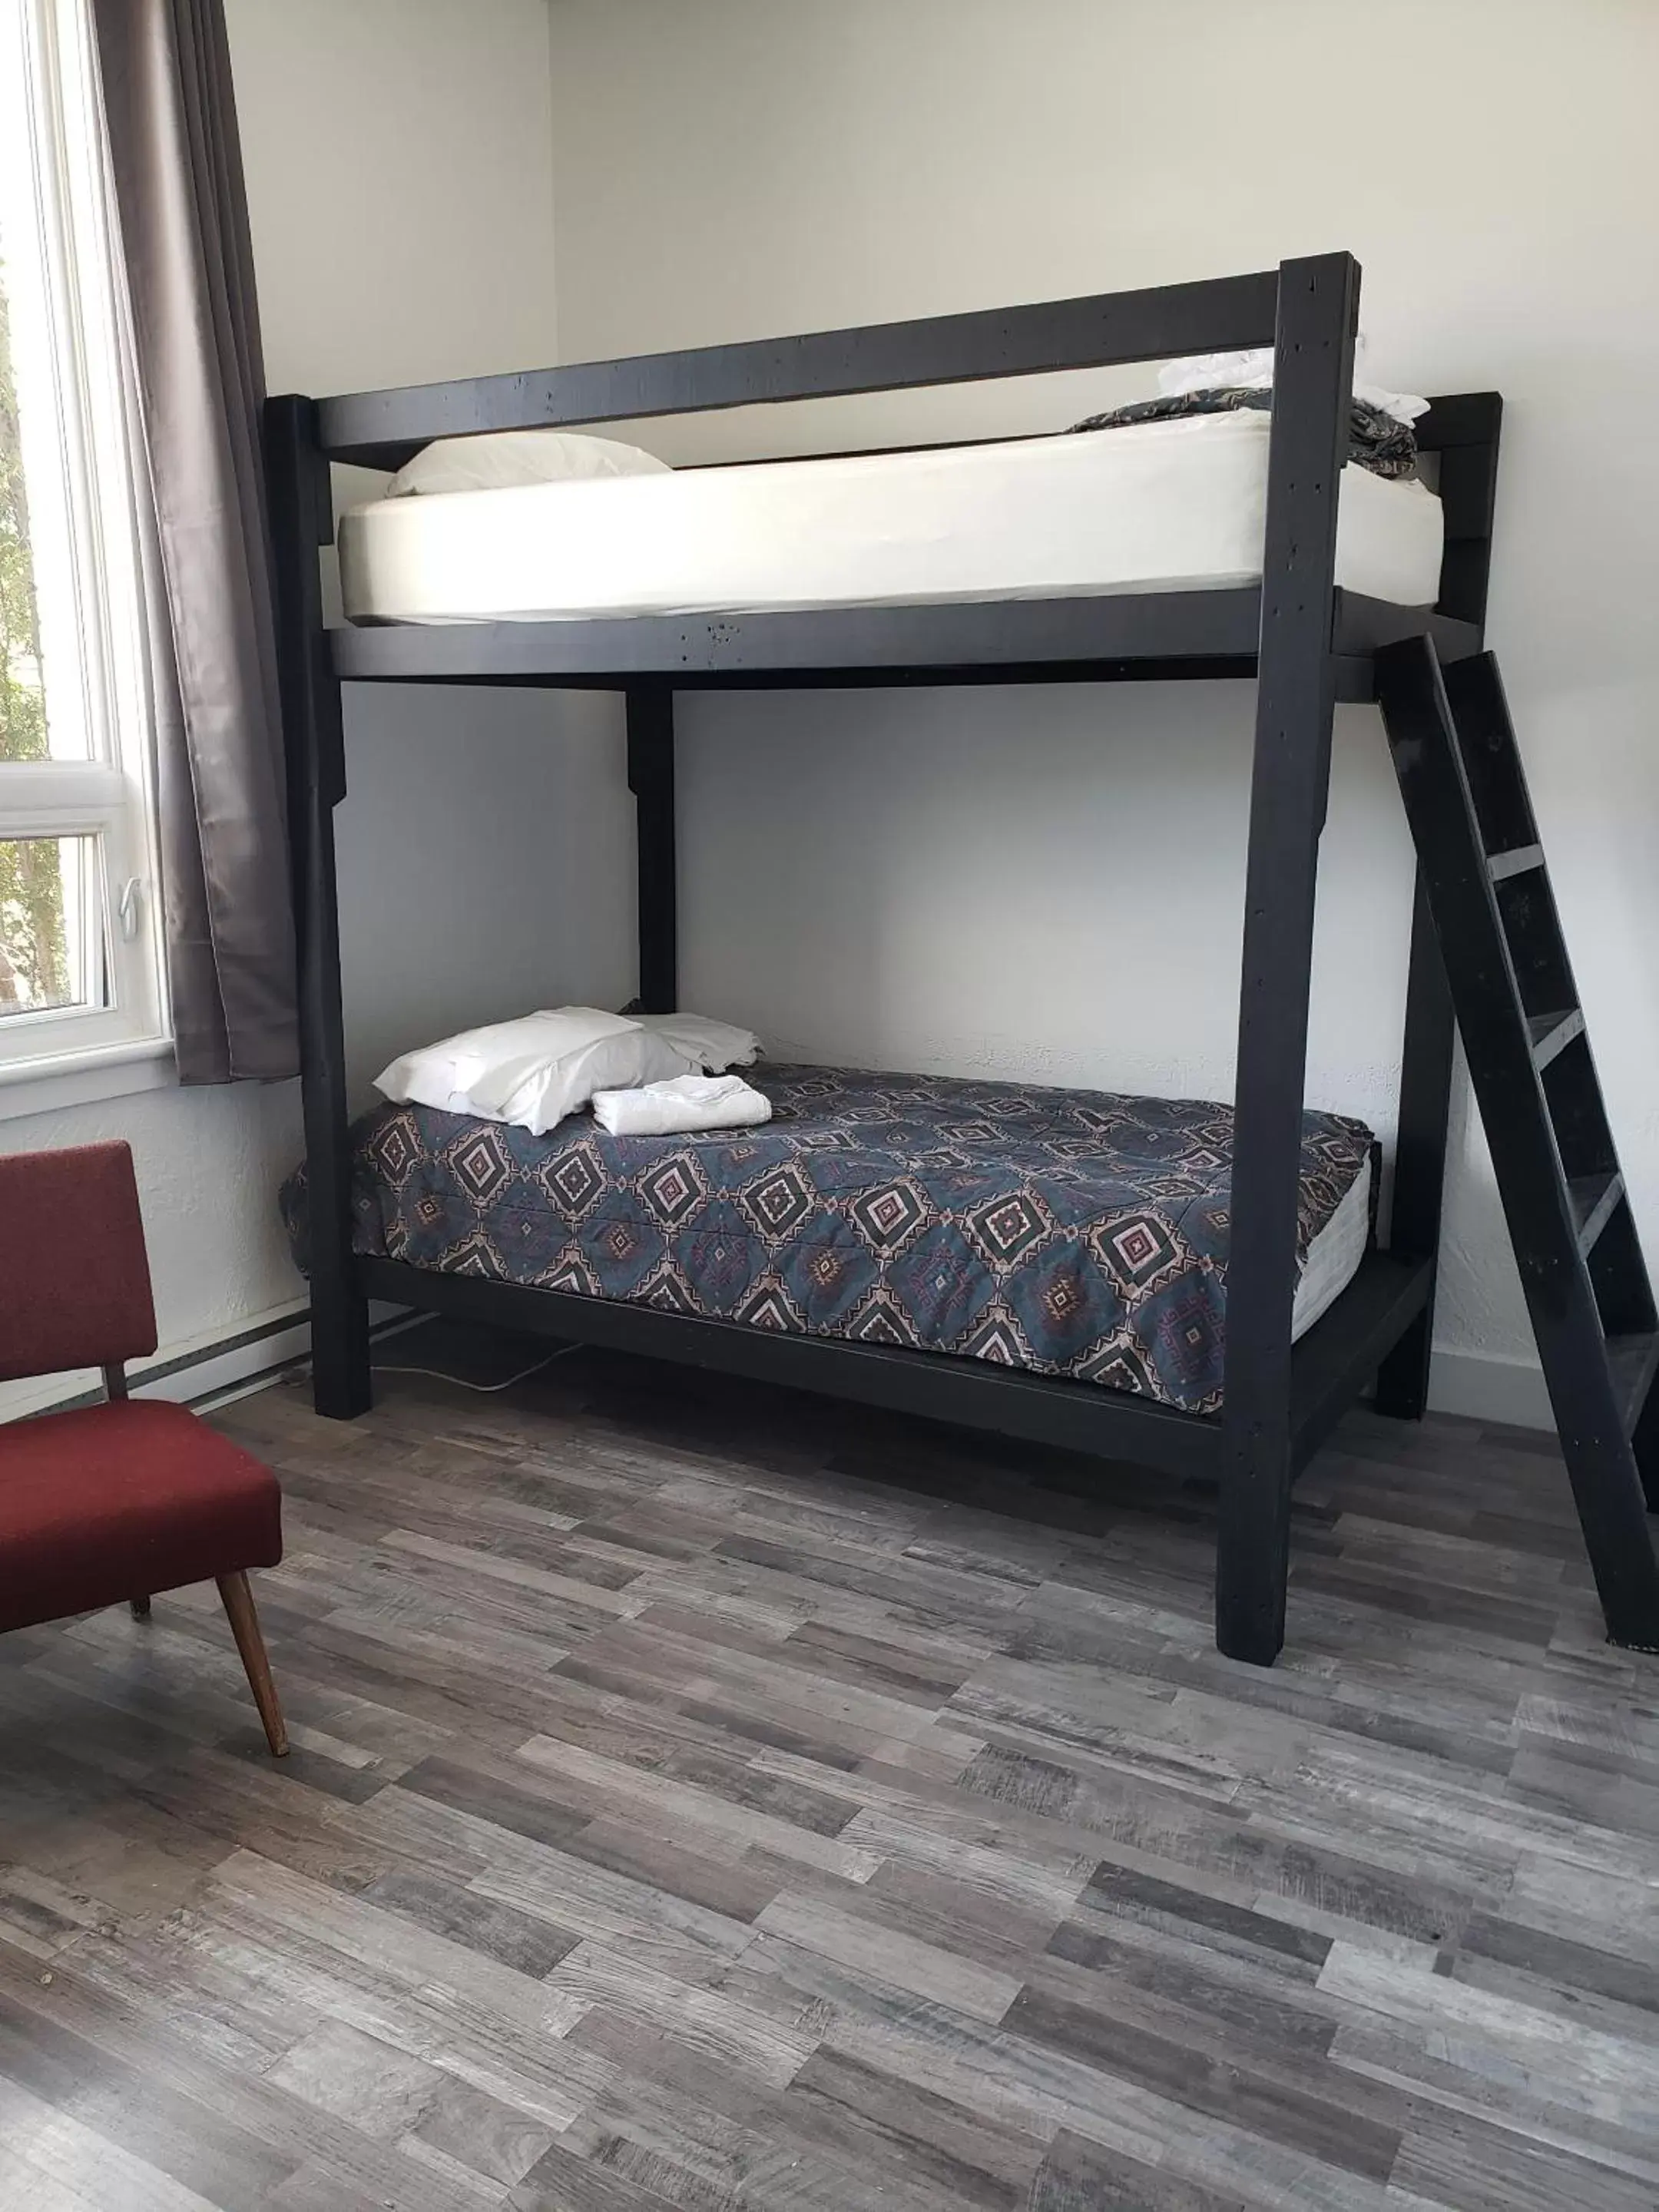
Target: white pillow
[(713, 1045), (532, 1072), (501, 458)]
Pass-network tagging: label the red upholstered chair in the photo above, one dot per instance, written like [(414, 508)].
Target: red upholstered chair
[(112, 1502)]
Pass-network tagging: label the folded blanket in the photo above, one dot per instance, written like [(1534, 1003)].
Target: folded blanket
[(1376, 441), (686, 1103)]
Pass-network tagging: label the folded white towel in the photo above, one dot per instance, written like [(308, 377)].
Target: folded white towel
[(684, 1104)]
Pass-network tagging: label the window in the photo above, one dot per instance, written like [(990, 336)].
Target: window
[(80, 968)]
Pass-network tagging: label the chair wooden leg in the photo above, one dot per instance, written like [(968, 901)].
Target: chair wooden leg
[(245, 1628), (140, 1608)]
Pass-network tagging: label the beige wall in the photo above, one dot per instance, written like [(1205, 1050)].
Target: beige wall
[(1049, 881)]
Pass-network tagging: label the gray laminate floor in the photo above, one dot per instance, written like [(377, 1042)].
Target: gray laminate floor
[(709, 1798)]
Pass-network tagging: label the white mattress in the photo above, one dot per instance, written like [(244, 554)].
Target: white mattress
[(1172, 505), (1334, 1254)]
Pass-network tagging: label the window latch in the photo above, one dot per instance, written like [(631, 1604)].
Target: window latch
[(128, 909)]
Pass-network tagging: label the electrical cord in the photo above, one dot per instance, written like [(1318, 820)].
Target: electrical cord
[(486, 1389)]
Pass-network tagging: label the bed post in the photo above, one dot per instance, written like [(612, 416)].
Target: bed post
[(301, 521), (1313, 383), (1420, 1155), (1464, 434), (651, 780)]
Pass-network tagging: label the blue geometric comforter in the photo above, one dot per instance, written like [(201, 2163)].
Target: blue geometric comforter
[(1072, 1232)]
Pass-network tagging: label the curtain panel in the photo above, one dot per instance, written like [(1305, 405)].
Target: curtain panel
[(198, 385)]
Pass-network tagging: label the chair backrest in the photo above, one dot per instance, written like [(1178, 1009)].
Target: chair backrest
[(74, 1275)]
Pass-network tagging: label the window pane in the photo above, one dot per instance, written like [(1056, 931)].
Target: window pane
[(33, 525), (52, 926)]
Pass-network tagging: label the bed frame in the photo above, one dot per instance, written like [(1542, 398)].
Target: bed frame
[(1307, 644)]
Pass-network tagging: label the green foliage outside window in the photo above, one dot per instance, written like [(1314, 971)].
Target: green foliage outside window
[(34, 958)]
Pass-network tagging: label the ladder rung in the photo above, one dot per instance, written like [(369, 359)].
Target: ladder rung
[(1593, 1199), (1632, 1361), (1552, 1033), (1515, 862)]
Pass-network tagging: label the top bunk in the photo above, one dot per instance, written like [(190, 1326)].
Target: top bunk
[(1092, 556)]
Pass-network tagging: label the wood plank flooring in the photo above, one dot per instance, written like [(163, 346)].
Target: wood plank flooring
[(706, 1797)]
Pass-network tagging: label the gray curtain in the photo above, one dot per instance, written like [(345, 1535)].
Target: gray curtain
[(199, 383)]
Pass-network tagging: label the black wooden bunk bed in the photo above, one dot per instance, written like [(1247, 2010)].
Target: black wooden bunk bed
[(1309, 645)]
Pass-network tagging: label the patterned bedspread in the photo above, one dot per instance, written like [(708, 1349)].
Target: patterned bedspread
[(1073, 1232)]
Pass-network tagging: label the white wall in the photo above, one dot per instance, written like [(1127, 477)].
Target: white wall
[(1050, 880), (1042, 881), (208, 1163), (400, 171)]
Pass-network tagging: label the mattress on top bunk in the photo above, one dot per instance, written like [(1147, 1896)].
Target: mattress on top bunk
[(1166, 506), (1072, 1232)]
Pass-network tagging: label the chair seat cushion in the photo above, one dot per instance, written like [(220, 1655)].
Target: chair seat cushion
[(119, 1501)]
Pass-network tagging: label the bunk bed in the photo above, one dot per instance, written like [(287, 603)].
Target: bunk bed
[(1307, 640)]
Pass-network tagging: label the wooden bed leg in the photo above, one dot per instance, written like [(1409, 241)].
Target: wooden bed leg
[(1296, 698), (140, 1608), (245, 1628), (651, 780), (1253, 1555), (302, 520), (1420, 1163)]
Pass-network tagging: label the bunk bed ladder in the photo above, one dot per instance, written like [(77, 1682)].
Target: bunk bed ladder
[(1518, 1011)]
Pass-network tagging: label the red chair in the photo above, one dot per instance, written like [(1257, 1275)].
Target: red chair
[(117, 1501)]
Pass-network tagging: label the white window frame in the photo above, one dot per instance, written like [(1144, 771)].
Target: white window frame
[(79, 460)]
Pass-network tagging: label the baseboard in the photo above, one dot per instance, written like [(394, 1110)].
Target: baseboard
[(210, 1367), (191, 1368), (1485, 1386)]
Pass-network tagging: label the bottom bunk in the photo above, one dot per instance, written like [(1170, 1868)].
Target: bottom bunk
[(1048, 1262)]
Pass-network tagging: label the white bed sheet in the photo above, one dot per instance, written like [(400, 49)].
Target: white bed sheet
[(1177, 506), (1334, 1254)]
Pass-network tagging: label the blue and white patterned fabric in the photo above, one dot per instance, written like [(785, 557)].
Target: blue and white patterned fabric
[(1072, 1232)]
